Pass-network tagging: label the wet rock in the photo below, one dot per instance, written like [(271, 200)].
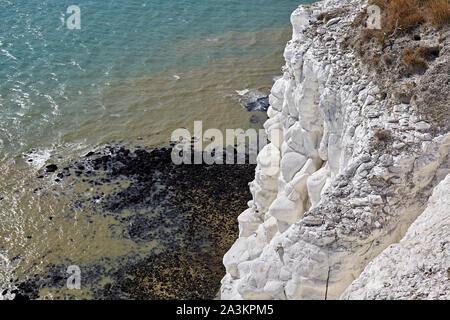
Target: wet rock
[(20, 297), (51, 168), (260, 104)]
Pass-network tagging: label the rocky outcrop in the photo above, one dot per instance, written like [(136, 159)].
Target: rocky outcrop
[(418, 267), (349, 167)]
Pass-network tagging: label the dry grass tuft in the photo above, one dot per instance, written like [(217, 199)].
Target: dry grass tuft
[(413, 62), (438, 12), (416, 59), (369, 34), (327, 16), (405, 15), (383, 135), (428, 52)]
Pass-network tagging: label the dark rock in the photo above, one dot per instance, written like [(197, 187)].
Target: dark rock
[(261, 104), (51, 168), (20, 297)]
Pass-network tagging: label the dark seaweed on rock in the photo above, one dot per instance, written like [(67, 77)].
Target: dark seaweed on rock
[(190, 210)]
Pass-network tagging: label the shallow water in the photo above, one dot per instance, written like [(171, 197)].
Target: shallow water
[(136, 69), (56, 82)]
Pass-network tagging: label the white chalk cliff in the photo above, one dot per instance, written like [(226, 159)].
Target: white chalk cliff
[(326, 200), (419, 266)]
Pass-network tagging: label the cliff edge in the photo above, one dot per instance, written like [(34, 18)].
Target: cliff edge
[(359, 138)]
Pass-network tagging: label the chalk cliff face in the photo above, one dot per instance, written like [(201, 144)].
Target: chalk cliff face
[(419, 266), (348, 169)]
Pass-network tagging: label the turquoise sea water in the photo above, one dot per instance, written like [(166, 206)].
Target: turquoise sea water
[(52, 78)]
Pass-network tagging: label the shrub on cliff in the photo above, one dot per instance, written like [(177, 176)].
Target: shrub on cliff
[(416, 59), (405, 15)]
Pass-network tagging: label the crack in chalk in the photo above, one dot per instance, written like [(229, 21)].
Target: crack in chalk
[(328, 280)]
